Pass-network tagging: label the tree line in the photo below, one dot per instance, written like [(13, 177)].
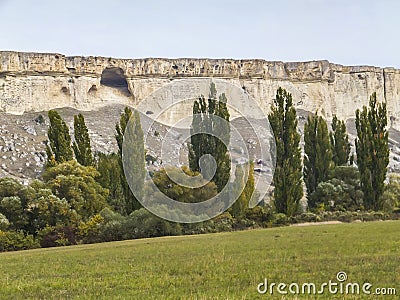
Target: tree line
[(333, 178), (85, 197)]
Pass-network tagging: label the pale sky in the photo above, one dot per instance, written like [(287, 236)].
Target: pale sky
[(349, 32)]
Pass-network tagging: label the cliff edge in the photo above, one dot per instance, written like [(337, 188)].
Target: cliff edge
[(42, 81)]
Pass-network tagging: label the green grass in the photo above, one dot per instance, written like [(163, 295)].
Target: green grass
[(212, 266)]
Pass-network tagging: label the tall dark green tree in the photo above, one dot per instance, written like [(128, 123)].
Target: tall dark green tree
[(134, 155), (211, 117), (372, 151), (288, 172), (81, 145), (339, 142), (317, 150), (58, 147)]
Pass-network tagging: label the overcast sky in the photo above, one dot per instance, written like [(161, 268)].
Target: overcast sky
[(349, 32)]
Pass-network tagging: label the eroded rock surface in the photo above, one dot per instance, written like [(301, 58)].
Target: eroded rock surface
[(33, 83), (38, 82)]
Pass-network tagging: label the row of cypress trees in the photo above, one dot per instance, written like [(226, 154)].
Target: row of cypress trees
[(324, 150), (210, 134), (59, 147)]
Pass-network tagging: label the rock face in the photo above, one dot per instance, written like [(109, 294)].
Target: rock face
[(32, 82)]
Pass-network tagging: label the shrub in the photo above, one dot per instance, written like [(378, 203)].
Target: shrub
[(195, 228), (112, 228), (111, 231), (49, 210), (351, 216), (142, 224), (16, 240), (109, 215), (342, 191), (222, 222), (260, 215), (280, 219), (253, 218), (53, 236), (89, 231), (374, 216), (306, 217)]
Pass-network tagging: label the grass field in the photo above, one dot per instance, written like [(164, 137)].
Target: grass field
[(212, 266)]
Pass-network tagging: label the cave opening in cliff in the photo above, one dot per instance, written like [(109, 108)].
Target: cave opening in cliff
[(115, 78)]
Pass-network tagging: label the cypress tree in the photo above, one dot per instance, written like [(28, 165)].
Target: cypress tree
[(58, 147), (135, 155), (288, 172), (372, 151), (81, 145), (318, 154), (339, 142), (216, 145)]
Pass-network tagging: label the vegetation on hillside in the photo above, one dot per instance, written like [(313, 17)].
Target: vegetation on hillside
[(84, 197)]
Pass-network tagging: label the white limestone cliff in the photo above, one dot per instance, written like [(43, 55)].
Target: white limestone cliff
[(37, 82)]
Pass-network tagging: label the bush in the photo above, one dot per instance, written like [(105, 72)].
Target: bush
[(16, 240), (351, 216), (143, 224), (89, 231), (222, 222), (53, 236), (280, 219), (111, 229), (195, 228), (306, 217), (374, 216), (254, 217), (341, 192), (260, 215)]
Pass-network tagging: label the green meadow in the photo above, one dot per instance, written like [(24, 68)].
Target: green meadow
[(210, 266)]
